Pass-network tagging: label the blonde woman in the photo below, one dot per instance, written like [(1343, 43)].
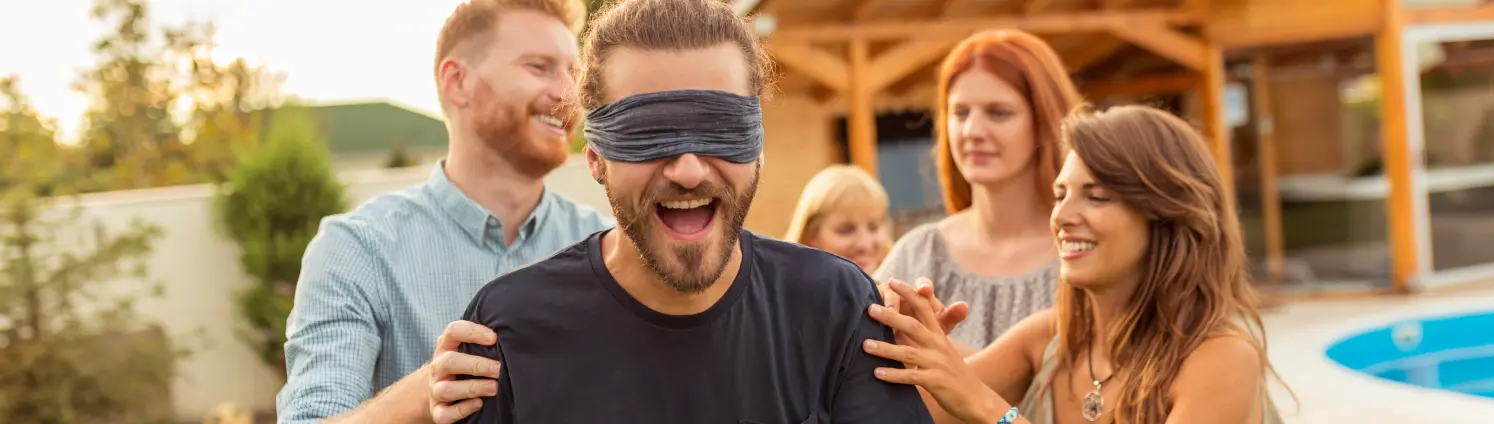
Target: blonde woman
[(844, 211)]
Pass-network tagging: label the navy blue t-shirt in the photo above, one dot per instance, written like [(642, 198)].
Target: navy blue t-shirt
[(782, 346)]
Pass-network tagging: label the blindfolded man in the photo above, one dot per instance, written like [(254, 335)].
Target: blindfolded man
[(682, 316)]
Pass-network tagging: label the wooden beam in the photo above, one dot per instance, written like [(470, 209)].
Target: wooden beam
[(1034, 7), (1265, 147), (817, 63), (905, 58), (1166, 42), (1211, 90), (1396, 148), (1201, 6), (822, 94), (932, 28), (1141, 86), (1101, 47), (868, 8), (950, 7), (1482, 12), (861, 119)]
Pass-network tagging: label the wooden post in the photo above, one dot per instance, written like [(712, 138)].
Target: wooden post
[(1211, 103), (1266, 155), (1396, 149), (860, 119)]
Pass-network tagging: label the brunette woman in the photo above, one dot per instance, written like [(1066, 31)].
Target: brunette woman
[(1154, 321)]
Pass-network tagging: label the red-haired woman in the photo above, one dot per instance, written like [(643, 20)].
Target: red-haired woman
[(1001, 97)]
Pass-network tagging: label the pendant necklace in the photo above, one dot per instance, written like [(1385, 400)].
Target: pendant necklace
[(1093, 402)]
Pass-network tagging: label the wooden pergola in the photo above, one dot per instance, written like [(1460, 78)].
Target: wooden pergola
[(848, 54), (855, 50)]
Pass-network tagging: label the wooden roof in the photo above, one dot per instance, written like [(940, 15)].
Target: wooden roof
[(817, 12), (906, 38)]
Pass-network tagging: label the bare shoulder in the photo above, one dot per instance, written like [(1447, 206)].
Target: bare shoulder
[(1230, 349), (1031, 336), (1228, 362)]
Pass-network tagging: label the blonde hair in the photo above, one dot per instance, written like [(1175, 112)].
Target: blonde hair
[(836, 188)]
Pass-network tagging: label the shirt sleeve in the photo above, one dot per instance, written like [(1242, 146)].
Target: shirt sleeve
[(495, 409), (332, 336), (861, 398)]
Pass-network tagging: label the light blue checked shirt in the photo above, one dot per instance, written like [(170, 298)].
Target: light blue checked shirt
[(379, 284)]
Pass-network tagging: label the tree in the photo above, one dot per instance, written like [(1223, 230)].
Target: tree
[(33, 159), (61, 309), (136, 133), (131, 138), (271, 204), (231, 102)]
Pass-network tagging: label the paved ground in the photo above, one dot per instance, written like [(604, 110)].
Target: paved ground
[(1328, 393)]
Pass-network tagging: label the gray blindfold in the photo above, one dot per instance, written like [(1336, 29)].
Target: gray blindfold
[(655, 126)]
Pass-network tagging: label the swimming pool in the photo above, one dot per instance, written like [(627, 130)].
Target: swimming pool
[(1452, 352)]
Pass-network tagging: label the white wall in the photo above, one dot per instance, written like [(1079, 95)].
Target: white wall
[(200, 271)]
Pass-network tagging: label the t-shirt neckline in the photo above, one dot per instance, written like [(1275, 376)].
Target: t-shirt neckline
[(730, 298)]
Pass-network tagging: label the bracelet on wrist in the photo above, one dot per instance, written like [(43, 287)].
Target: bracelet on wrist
[(1009, 417)]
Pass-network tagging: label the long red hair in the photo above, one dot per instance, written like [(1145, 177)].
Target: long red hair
[(1027, 63)]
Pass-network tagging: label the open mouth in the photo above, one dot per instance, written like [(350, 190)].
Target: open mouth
[(549, 122), (1070, 249), (688, 219)]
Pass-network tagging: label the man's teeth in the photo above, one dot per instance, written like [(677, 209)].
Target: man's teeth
[(685, 204), (1076, 246), (550, 120)]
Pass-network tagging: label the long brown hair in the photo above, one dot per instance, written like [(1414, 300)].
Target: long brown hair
[(1027, 63), (1193, 282)]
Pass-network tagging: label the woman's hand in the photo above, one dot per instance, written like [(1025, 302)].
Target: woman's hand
[(929, 357), (949, 316)]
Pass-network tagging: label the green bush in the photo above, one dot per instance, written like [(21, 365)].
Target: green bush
[(271, 204)]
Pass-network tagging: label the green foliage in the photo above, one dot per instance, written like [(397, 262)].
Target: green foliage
[(133, 137), (578, 140), (33, 159), (73, 348), (271, 204)]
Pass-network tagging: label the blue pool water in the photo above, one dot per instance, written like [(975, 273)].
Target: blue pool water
[(1454, 353)]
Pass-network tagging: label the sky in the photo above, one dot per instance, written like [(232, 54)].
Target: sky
[(328, 50)]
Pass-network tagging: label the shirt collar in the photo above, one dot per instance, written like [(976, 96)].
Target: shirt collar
[(474, 219)]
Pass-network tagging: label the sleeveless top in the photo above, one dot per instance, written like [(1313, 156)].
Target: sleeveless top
[(996, 302), (1037, 404)]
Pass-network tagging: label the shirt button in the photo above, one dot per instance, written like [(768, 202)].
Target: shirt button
[(492, 222)]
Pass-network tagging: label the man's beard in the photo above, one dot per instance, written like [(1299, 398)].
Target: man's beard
[(507, 130), (687, 273)]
